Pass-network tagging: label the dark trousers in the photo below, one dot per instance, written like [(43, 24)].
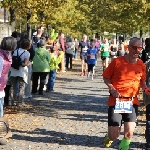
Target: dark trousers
[(35, 78), (7, 93), (17, 89), (51, 80), (69, 60)]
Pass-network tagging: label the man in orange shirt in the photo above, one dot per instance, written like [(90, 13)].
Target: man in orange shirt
[(124, 77)]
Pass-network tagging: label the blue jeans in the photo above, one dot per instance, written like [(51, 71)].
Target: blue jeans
[(51, 80), (1, 106)]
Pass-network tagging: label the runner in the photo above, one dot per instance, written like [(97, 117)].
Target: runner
[(113, 51), (84, 46), (124, 77), (105, 53), (91, 58)]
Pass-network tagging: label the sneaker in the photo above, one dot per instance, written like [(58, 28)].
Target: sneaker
[(107, 141)]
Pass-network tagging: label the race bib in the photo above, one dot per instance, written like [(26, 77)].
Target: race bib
[(123, 106), (84, 49), (92, 56)]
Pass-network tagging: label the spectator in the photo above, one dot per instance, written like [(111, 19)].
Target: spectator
[(53, 68), (8, 44), (20, 76), (69, 52), (27, 91), (41, 67)]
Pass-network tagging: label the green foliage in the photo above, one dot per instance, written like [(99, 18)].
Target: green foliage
[(53, 35), (83, 16)]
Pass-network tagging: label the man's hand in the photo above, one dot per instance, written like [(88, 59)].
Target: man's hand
[(115, 93), (147, 91)]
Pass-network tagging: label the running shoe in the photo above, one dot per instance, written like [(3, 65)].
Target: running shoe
[(107, 141)]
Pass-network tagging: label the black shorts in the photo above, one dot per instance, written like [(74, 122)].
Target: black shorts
[(103, 57), (83, 57), (115, 119), (90, 67)]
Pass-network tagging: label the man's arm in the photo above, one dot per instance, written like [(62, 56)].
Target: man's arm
[(143, 85), (112, 90)]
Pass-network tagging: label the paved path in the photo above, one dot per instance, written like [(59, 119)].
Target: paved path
[(74, 117)]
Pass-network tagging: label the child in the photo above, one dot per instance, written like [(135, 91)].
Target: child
[(53, 68), (91, 58)]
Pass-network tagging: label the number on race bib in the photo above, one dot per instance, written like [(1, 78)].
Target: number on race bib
[(117, 105), (121, 105), (127, 105)]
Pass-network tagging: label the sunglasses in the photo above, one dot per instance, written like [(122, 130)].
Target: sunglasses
[(137, 48)]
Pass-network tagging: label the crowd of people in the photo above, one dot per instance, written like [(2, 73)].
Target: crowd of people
[(23, 61)]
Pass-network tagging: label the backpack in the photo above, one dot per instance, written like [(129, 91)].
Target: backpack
[(16, 61)]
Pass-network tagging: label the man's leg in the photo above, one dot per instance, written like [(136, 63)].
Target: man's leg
[(103, 63), (106, 62), (14, 83), (82, 67), (35, 78), (128, 133), (67, 60), (21, 90), (70, 57), (42, 81), (129, 127), (114, 126), (6, 98), (52, 79)]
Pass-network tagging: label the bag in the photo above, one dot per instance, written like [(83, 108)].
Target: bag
[(16, 61)]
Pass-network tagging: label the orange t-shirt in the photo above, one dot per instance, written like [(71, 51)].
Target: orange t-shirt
[(125, 77)]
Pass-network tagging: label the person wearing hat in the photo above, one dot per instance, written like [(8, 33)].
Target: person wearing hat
[(41, 67)]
